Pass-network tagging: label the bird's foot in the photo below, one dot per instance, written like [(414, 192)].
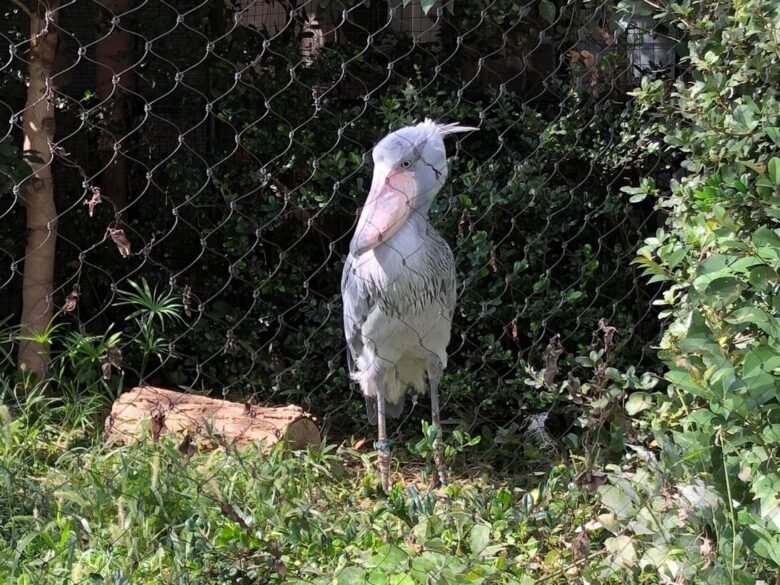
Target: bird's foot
[(384, 462), (441, 467)]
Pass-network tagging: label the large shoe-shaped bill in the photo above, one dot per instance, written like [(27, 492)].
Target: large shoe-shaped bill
[(387, 208)]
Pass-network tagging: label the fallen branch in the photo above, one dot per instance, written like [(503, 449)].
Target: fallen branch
[(213, 422)]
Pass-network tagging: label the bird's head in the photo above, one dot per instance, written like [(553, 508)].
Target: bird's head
[(410, 167)]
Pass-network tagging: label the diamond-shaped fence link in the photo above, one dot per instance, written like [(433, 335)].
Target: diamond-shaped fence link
[(211, 160)]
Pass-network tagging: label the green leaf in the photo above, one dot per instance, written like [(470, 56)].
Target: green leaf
[(350, 575), (426, 5), (774, 134), (480, 537), (673, 259), (650, 267), (388, 557), (726, 289), (771, 434), (764, 236), (622, 551), (682, 379), (700, 495), (766, 488), (761, 358), (427, 563), (637, 402), (716, 263), (615, 499), (773, 169), (768, 546), (7, 150), (749, 314), (547, 10), (761, 276), (744, 116), (761, 389)]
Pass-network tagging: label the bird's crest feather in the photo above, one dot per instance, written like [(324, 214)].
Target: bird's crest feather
[(445, 129)]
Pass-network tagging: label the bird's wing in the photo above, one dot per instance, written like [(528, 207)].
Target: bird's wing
[(357, 305)]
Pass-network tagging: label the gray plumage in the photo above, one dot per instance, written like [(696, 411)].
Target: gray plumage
[(398, 284), (398, 308)]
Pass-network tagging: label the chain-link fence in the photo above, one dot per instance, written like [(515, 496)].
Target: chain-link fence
[(209, 162)]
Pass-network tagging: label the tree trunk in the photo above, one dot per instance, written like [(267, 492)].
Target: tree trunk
[(114, 55), (38, 128), (213, 422)]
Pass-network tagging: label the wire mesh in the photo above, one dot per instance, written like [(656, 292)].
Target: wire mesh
[(221, 152)]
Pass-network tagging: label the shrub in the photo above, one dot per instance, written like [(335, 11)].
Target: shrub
[(718, 256)]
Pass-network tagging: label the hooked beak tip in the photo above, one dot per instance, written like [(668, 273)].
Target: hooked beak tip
[(359, 248)]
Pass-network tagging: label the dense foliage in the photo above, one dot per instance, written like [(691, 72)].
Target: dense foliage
[(246, 214), (718, 258), (232, 284)]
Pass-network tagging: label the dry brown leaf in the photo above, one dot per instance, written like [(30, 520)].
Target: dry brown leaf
[(682, 517), (590, 480), (115, 356), (231, 513), (57, 150), (588, 59), (550, 356), (186, 300), (158, 425), (71, 301), (580, 548), (462, 223), (105, 369), (707, 552), (186, 448), (609, 334), (93, 201), (121, 241)]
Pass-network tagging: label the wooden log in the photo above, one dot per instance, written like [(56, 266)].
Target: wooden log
[(209, 422)]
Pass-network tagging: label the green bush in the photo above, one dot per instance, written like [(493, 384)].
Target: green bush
[(718, 256)]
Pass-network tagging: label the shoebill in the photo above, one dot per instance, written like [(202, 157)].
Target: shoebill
[(398, 283)]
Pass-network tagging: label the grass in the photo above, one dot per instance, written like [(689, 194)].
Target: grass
[(76, 510), (608, 503)]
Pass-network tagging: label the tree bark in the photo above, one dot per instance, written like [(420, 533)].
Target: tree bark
[(114, 54), (38, 128), (213, 422)]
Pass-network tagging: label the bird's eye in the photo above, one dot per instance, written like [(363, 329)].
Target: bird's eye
[(406, 164)]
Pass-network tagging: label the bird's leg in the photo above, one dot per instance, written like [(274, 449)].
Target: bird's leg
[(382, 444), (434, 375)]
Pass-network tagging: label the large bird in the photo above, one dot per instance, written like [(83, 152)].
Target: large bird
[(398, 283)]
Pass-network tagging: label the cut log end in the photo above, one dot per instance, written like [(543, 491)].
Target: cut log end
[(211, 422)]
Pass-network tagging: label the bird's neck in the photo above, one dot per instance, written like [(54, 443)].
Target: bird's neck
[(398, 256), (406, 242), (426, 193), (417, 225)]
